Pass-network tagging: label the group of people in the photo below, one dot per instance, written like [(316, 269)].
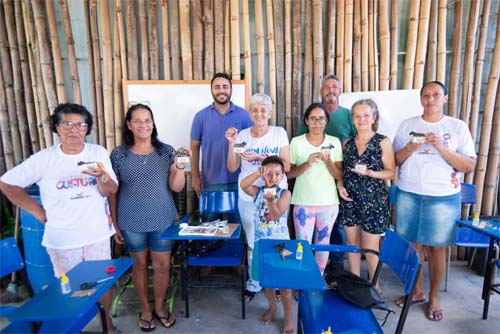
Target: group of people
[(338, 160)]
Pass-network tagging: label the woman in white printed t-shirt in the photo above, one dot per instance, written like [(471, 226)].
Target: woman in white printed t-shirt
[(247, 149), (431, 151), (75, 210)]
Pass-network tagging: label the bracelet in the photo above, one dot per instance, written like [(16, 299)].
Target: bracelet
[(180, 168)]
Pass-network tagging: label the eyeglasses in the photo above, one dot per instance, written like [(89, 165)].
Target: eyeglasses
[(314, 119), (80, 126)]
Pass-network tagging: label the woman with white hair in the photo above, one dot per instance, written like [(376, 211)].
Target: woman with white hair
[(247, 149)]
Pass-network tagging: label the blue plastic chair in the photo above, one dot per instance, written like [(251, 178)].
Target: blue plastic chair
[(466, 237), (321, 310), (11, 262), (232, 252)]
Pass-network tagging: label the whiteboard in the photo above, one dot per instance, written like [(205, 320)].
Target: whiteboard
[(174, 104), (394, 107)]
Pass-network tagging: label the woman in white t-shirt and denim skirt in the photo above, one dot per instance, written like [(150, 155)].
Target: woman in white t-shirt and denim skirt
[(431, 151), (247, 149)]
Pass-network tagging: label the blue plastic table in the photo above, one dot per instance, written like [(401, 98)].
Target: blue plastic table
[(492, 230), (52, 305), (290, 273)]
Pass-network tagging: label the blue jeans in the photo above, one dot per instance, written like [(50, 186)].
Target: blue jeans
[(231, 217)]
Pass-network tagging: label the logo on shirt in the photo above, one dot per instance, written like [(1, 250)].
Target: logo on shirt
[(76, 182)]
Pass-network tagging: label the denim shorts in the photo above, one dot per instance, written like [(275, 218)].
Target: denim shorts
[(427, 220), (139, 241)]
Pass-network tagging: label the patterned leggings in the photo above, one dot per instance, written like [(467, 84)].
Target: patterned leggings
[(319, 219)]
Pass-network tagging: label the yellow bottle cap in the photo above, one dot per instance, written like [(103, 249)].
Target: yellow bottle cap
[(64, 278), (299, 246), (476, 215)]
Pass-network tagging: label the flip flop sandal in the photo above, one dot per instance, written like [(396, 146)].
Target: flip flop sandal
[(151, 326), (248, 295), (165, 320), (277, 295), (400, 301), (435, 312)]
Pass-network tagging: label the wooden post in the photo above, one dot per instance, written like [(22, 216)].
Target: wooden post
[(174, 40), (272, 57), (208, 21), (468, 71), (197, 17), (394, 45), (143, 30), (348, 19), (235, 39), (166, 40), (219, 35), (184, 22), (411, 44), (56, 51), (339, 66), (489, 104), (330, 48), (456, 57), (247, 52), (308, 54), (430, 68), (280, 63), (423, 31), (365, 78), (259, 47), (70, 43), (297, 64), (441, 41), (132, 38), (153, 40), (385, 42), (26, 78)]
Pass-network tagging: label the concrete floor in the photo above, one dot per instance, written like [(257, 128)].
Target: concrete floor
[(219, 311)]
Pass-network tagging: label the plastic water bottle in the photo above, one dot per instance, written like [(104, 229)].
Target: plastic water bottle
[(65, 285), (299, 252), (475, 220)]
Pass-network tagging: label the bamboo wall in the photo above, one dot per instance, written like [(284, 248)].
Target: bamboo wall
[(280, 47)]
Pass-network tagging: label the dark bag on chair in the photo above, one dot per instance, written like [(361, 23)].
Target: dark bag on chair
[(200, 248)]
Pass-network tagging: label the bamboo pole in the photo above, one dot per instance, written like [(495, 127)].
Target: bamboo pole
[(280, 62), (166, 40), (297, 63), (26, 78), (441, 41), (197, 25), (41, 107), (411, 44), (394, 45), (288, 67), (385, 44), (153, 40), (272, 58), (372, 45), (489, 103), (330, 49), (70, 44), (430, 68), (219, 35), (117, 83), (96, 53), (365, 78), (235, 39), (356, 48), (456, 57), (339, 61), (92, 89), (260, 80), (423, 34), (143, 31), (308, 55), (107, 70), (478, 74), (122, 41), (247, 52), (20, 107), (348, 18), (175, 40), (468, 70), (56, 51), (492, 169), (132, 38), (208, 21), (184, 22), (3, 168), (227, 38), (45, 58), (7, 143)]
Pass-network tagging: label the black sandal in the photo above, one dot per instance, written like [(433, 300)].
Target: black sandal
[(248, 295)]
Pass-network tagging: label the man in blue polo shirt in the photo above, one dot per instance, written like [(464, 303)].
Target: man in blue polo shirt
[(207, 132)]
